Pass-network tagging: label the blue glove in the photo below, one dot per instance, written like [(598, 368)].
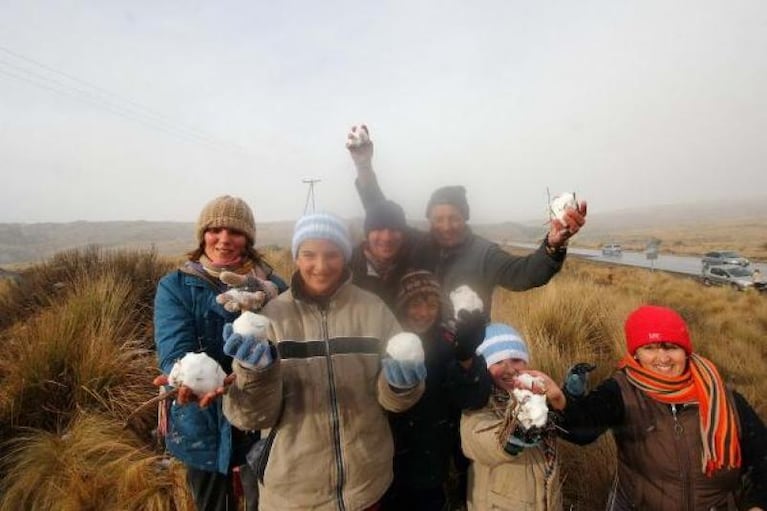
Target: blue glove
[(516, 445), (576, 379), (403, 375), (246, 348)]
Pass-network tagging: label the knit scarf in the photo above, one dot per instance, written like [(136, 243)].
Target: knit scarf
[(701, 383), (243, 267)]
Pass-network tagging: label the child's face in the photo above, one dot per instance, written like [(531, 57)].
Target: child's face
[(421, 312), (504, 372)]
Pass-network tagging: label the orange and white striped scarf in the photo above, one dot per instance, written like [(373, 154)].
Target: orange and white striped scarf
[(700, 383)]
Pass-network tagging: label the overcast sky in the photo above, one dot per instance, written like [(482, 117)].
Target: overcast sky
[(136, 110)]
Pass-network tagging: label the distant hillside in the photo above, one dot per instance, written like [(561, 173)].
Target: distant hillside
[(686, 228)]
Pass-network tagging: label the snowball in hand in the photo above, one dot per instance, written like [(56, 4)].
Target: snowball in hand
[(405, 347), (532, 409), (464, 298), (251, 324), (358, 136), (561, 203), (197, 371)]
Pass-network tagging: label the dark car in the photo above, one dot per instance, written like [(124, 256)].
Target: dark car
[(736, 276), (612, 249), (724, 257)]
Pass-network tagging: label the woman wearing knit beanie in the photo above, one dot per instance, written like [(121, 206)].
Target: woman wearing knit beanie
[(189, 317), (324, 397), (426, 435), (511, 441), (685, 441)]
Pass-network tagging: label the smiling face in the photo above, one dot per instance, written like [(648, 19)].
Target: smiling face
[(224, 246), (385, 244), (447, 225), (421, 312), (663, 358), (321, 265), (504, 372)]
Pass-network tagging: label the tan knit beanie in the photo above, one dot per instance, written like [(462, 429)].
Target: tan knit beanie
[(227, 211)]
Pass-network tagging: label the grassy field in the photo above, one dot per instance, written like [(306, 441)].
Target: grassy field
[(78, 358)]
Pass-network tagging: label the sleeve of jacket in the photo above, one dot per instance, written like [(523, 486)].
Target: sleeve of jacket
[(753, 448), (394, 400), (519, 273), (369, 192), (468, 389), (479, 439), (585, 418), (175, 331), (254, 400)]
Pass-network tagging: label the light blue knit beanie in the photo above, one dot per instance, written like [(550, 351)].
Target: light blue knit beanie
[(502, 342), (322, 226)]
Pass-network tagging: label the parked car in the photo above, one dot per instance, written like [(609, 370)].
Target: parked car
[(739, 277), (612, 249), (724, 257)]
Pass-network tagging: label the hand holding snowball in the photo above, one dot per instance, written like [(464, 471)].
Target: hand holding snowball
[(197, 378), (360, 146), (404, 368), (541, 383), (246, 340), (568, 216)]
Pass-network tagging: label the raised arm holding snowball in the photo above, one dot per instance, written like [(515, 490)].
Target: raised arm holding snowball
[(451, 250)]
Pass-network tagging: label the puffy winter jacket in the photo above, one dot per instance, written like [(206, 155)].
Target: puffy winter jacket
[(187, 318), (324, 398)]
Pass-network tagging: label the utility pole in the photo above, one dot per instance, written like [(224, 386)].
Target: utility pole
[(311, 181)]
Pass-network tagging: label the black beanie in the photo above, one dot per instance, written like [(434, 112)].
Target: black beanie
[(385, 215), (452, 195)]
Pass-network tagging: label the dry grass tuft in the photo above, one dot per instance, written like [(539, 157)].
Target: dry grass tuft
[(91, 465)]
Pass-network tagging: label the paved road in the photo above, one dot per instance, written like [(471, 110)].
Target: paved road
[(678, 264)]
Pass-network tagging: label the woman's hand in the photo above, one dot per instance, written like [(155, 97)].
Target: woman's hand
[(561, 231), (186, 395)]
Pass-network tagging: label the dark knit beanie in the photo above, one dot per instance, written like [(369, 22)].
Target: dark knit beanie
[(414, 283), (230, 212), (385, 215), (452, 195)]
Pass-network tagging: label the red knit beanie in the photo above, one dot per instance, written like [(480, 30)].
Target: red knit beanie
[(650, 323)]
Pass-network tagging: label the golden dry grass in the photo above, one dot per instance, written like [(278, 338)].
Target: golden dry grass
[(77, 360)]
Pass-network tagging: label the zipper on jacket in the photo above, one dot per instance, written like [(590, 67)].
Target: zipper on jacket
[(334, 419), (681, 444)]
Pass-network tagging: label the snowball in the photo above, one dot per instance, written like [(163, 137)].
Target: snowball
[(464, 298), (357, 137), (252, 324), (197, 371), (532, 409), (405, 347), (561, 203)]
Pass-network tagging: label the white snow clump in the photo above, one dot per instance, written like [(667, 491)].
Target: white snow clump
[(405, 347), (464, 298), (251, 324), (358, 136), (532, 409), (561, 203), (197, 371)]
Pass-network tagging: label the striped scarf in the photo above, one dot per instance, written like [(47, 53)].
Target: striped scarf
[(701, 383)]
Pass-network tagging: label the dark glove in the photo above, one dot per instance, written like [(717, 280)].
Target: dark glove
[(469, 333), (576, 379), (246, 348), (516, 445)]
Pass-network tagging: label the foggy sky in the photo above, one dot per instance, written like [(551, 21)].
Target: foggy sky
[(626, 103)]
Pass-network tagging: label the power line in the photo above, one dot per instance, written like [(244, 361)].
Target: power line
[(114, 103)]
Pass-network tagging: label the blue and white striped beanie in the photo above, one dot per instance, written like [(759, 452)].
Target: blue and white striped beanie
[(502, 342), (322, 226)]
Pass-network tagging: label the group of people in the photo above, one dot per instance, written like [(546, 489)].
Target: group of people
[(316, 415)]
